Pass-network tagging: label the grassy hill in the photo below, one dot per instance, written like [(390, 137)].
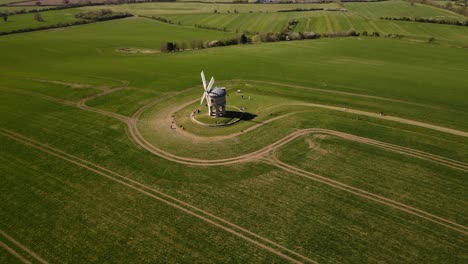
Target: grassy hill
[(354, 149)]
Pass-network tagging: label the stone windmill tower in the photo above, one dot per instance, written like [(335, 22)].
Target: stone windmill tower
[(215, 98)]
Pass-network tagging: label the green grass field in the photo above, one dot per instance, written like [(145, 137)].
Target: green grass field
[(21, 21), (265, 18), (93, 170)]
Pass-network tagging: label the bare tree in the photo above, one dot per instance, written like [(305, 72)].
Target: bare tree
[(38, 17)]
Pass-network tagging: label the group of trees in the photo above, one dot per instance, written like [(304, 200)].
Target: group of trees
[(200, 44), (311, 9), (229, 11), (428, 20), (264, 37), (102, 15), (181, 46), (4, 16), (210, 27), (38, 17), (162, 19), (285, 36), (373, 34), (291, 25)]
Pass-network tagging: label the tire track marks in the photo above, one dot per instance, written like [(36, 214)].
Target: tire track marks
[(80, 104), (262, 153), (14, 253), (370, 196), (187, 208), (22, 247)]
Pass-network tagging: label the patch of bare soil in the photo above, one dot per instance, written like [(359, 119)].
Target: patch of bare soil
[(136, 51)]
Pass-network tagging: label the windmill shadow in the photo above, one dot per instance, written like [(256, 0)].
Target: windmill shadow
[(244, 116), (240, 115)]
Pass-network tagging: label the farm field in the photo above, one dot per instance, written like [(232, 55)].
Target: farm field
[(347, 150), (266, 18), (28, 20)]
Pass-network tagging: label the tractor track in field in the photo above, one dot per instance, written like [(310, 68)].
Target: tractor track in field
[(22, 247), (79, 104), (166, 117), (261, 155), (14, 253), (370, 196), (192, 210), (82, 104), (342, 93)]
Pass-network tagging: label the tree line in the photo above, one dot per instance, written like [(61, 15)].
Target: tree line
[(310, 9), (428, 20), (261, 37), (102, 15), (85, 18), (200, 44)]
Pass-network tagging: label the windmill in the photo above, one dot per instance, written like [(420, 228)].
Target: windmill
[(215, 98)]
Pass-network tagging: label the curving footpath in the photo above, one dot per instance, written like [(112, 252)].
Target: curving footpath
[(262, 155)]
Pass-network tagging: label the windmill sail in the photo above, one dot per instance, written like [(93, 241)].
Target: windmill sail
[(208, 89), (203, 80)]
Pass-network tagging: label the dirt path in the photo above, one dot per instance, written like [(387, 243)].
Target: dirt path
[(22, 247), (138, 138), (165, 117), (216, 221), (260, 155)]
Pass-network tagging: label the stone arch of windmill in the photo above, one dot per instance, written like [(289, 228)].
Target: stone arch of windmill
[(215, 97)]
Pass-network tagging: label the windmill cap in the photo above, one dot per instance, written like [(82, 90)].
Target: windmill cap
[(217, 92)]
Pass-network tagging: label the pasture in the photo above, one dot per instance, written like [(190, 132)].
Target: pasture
[(354, 150)]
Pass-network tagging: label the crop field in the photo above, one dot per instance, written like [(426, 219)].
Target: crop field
[(266, 18), (344, 150)]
